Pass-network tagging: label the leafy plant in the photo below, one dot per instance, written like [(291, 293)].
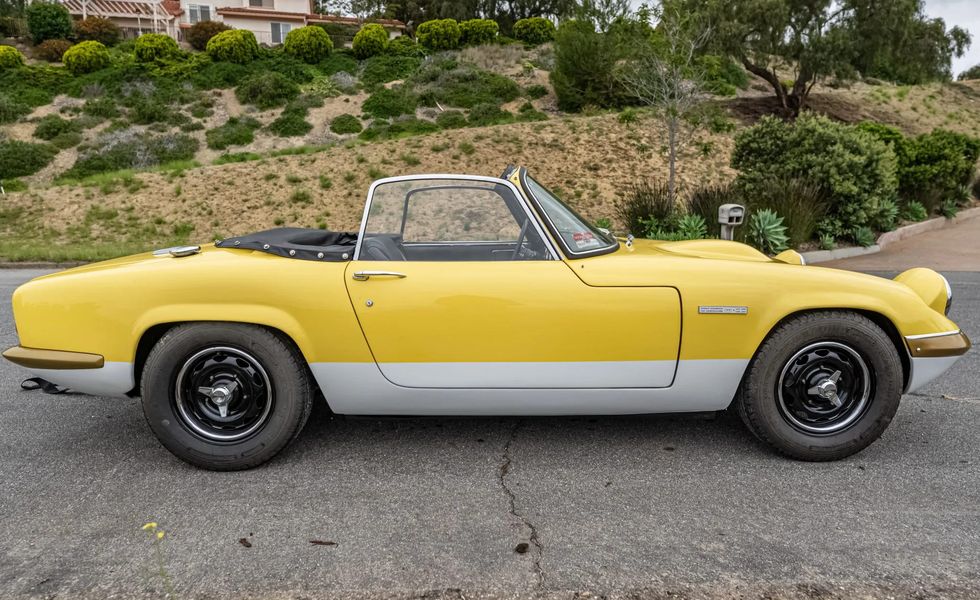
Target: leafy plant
[(585, 72), (235, 45), (801, 203), (692, 227), (310, 44), (98, 29), (864, 236), (914, 211), (404, 45), (201, 33), (439, 34), (384, 68), (344, 124), (370, 41), (488, 114), (886, 218), (18, 159), (705, 200), (48, 21), (237, 131), (150, 47), (386, 103), (474, 32), (463, 86), (827, 241), (292, 122), (51, 50), (86, 57), (644, 202), (11, 109), (51, 126), (536, 91), (131, 149), (266, 90), (765, 231), (10, 58), (534, 31)]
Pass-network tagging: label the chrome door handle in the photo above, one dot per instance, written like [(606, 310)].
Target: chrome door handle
[(365, 275)]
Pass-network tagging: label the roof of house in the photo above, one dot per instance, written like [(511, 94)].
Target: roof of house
[(124, 8), (318, 18), (259, 13)]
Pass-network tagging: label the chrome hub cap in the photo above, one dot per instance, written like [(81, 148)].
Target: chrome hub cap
[(223, 394), (824, 388)]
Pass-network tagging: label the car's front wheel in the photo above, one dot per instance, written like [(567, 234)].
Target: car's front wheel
[(225, 396), (823, 386)]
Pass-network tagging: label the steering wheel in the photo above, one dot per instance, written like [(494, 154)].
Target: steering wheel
[(520, 240)]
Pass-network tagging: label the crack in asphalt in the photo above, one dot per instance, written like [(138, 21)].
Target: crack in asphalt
[(512, 499)]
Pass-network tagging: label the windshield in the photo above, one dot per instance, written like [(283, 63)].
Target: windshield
[(576, 234)]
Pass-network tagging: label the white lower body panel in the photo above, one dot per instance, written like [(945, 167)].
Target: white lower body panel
[(582, 374), (361, 389), (113, 379), (925, 369)]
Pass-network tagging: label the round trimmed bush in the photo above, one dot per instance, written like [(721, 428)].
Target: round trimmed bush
[(18, 159), (86, 57), (371, 40), (201, 33), (310, 44), (535, 30), (99, 30), (52, 50), (439, 34), (10, 57), (235, 45), (404, 45), (48, 21), (344, 124), (474, 32), (155, 46), (386, 103)]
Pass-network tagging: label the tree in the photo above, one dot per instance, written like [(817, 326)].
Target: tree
[(811, 39), (48, 21), (666, 76), (971, 73)]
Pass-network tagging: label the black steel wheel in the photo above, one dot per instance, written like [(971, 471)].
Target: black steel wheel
[(225, 396), (823, 385)]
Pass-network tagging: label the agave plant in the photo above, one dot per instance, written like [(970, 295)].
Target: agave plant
[(767, 232)]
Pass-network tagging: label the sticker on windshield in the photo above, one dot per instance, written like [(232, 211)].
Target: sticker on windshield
[(585, 240)]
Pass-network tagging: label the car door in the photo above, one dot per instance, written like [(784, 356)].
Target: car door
[(455, 285)]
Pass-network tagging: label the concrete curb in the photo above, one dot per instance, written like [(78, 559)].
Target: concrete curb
[(889, 238)]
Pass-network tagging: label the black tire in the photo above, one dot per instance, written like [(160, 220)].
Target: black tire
[(270, 394), (785, 399)]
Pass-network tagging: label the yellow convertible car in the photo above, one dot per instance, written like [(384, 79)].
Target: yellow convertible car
[(466, 295)]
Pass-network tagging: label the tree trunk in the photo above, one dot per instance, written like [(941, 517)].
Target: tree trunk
[(672, 125), (790, 101)]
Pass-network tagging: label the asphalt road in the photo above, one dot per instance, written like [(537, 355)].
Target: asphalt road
[(646, 507)]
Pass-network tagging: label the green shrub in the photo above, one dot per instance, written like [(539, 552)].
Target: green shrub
[(856, 171), (99, 30), (266, 90), (585, 68), (971, 73), (385, 68), (131, 149), (451, 119), (51, 126), (18, 159), (915, 212), (48, 21), (765, 231), (801, 203), (404, 45), (864, 236), (12, 109), (150, 47), (475, 32), (646, 206), (942, 161), (338, 62), (10, 58), (237, 131), (52, 50), (488, 114), (439, 34), (527, 113), (536, 91), (371, 40), (386, 103), (235, 45), (291, 123), (310, 44), (86, 57), (101, 107), (463, 86), (344, 124), (722, 75), (201, 33), (534, 31)]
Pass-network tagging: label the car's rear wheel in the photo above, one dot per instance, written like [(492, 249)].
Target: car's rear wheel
[(823, 386), (225, 396)]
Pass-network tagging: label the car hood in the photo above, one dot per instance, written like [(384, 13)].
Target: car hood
[(713, 249)]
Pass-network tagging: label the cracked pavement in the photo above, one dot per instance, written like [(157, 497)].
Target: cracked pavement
[(632, 507)]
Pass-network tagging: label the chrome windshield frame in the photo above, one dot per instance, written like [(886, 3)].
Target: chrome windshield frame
[(532, 217), (553, 230)]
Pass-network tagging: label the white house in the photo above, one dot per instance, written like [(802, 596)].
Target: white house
[(269, 20), (134, 17)]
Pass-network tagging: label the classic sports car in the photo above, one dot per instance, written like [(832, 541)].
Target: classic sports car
[(465, 295)]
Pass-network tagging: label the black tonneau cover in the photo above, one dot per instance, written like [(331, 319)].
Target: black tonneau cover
[(297, 242)]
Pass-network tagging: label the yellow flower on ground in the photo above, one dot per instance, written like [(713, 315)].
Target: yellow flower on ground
[(160, 535), (150, 526)]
